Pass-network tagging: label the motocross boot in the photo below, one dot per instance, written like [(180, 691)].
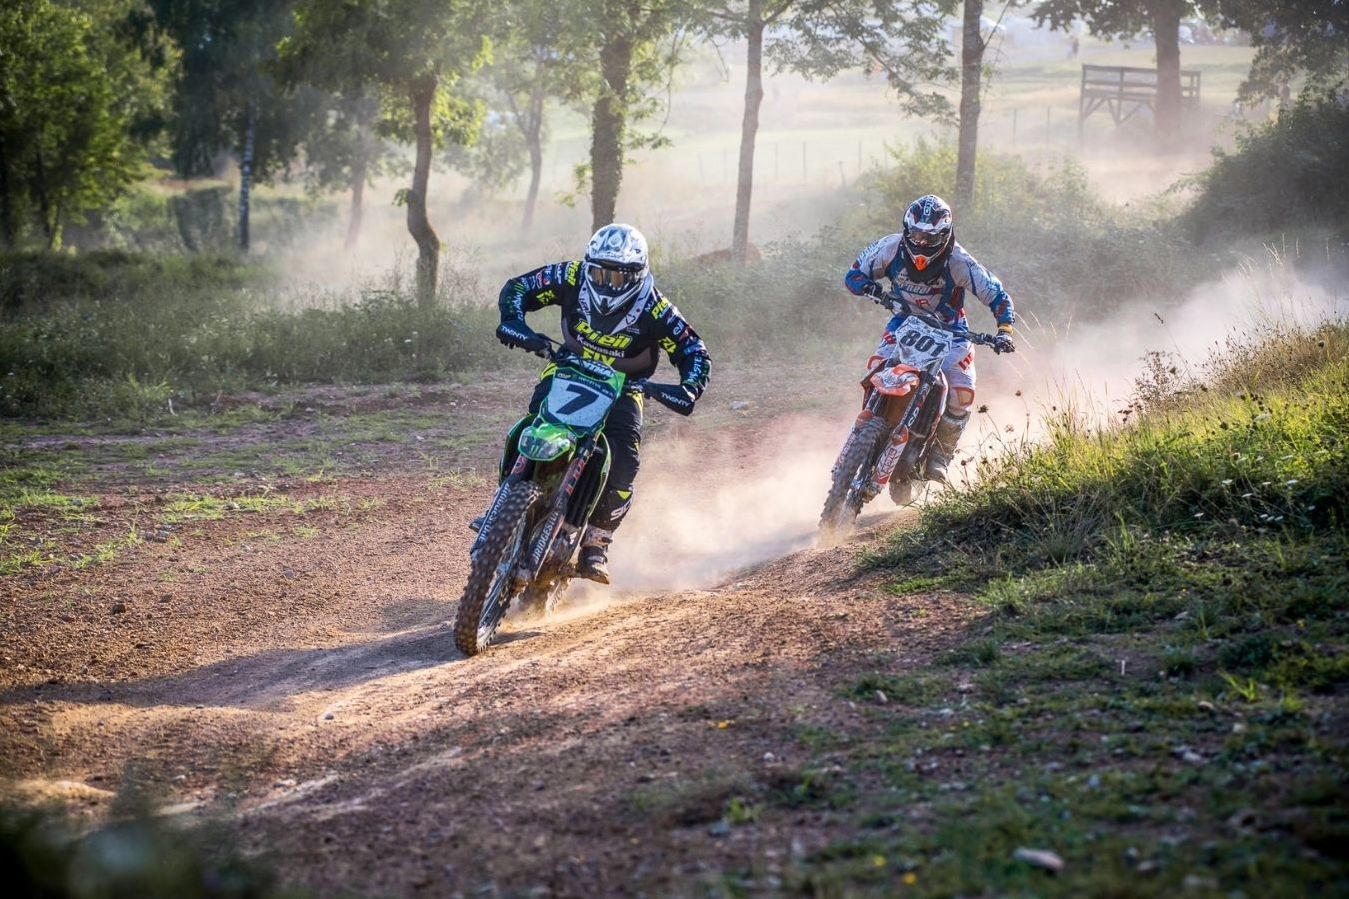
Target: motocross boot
[(943, 445), (594, 562)]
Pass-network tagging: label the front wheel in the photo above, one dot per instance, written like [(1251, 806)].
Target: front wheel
[(488, 591), (843, 504)]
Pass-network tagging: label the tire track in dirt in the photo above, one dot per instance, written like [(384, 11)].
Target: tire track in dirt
[(326, 717)]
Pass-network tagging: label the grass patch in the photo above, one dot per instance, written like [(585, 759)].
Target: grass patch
[(1157, 694)]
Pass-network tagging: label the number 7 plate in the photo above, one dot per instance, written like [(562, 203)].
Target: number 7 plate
[(579, 402)]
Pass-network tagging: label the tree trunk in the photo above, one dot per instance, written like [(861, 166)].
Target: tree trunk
[(1166, 28), (419, 226), (43, 206), (971, 82), (357, 191), (534, 142), (749, 130), (8, 230), (608, 122), (246, 174)]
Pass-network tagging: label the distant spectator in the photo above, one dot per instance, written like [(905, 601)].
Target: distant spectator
[(1074, 48)]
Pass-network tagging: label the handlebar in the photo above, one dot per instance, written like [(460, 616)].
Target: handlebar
[(896, 305), (672, 396)]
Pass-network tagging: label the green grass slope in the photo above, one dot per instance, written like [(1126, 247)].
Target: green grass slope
[(1157, 692)]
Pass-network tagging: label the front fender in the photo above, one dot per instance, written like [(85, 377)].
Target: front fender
[(544, 442)]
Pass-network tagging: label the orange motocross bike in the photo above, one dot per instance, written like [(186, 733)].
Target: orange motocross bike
[(889, 441)]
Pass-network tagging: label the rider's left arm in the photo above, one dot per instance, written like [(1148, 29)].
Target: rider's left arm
[(684, 347), (968, 273)]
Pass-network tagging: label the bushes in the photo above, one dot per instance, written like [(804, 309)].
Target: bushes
[(41, 854), (34, 282), (129, 331), (1285, 176)]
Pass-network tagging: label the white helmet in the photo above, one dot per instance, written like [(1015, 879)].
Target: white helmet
[(616, 269)]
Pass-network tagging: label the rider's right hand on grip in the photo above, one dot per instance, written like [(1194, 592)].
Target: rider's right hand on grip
[(516, 333)]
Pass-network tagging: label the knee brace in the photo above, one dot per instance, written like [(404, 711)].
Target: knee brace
[(959, 401)]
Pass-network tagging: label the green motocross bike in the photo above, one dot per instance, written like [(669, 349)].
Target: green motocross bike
[(553, 470)]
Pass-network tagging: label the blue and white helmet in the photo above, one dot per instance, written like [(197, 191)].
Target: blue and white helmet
[(616, 268), (928, 238)]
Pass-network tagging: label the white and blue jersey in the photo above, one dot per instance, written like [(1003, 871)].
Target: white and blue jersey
[(944, 295)]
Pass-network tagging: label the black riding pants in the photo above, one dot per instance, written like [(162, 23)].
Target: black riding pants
[(623, 430)]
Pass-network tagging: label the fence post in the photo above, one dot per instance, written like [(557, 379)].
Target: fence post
[(1014, 126)]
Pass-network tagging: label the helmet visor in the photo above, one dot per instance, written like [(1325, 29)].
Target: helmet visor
[(611, 280)]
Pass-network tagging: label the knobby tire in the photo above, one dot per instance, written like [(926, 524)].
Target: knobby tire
[(486, 595), (840, 506)]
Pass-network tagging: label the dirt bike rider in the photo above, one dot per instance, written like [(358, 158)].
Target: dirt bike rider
[(611, 311), (930, 271)]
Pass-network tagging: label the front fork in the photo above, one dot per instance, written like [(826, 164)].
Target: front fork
[(556, 518), (899, 437)]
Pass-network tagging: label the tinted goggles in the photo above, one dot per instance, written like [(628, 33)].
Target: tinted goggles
[(611, 278), (927, 240)]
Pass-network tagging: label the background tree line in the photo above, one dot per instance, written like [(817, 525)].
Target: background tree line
[(96, 95)]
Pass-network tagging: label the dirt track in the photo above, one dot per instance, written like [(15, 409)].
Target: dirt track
[(303, 684)]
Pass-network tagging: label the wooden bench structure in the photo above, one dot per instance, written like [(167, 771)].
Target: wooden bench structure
[(1124, 90)]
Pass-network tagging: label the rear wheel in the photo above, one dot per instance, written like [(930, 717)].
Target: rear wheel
[(488, 592), (842, 505)]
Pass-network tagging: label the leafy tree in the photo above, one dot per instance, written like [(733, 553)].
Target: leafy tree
[(1112, 18), (638, 47), (542, 54), (1286, 175), (226, 98), (1292, 38), (81, 99), (819, 39), (349, 153), (414, 52)]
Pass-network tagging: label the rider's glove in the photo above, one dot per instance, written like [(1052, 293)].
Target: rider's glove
[(1002, 341), (514, 332), (874, 291)]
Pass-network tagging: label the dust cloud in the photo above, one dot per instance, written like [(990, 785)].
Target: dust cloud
[(710, 505), (705, 509), (1091, 368)]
